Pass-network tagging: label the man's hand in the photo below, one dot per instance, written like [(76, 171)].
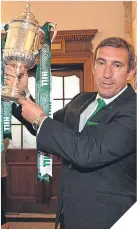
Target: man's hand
[(10, 72), (31, 110)]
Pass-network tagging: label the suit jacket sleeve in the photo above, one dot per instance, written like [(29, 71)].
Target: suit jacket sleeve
[(59, 115), (17, 110), (117, 140)]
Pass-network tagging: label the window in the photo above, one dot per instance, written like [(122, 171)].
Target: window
[(64, 88)]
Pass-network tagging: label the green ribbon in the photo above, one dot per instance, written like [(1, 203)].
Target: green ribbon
[(43, 97), (6, 107)]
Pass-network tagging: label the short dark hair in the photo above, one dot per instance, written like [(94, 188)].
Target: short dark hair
[(118, 42)]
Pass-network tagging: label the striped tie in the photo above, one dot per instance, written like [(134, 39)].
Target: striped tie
[(101, 104)]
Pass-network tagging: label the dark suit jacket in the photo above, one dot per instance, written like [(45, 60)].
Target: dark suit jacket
[(98, 177)]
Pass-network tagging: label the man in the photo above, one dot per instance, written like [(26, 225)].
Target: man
[(96, 136)]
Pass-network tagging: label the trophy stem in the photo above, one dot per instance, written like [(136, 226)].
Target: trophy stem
[(12, 94), (15, 85), (18, 69)]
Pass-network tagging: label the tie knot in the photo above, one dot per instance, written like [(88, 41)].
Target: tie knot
[(101, 103)]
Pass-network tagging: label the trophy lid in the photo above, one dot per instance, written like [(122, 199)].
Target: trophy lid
[(28, 15)]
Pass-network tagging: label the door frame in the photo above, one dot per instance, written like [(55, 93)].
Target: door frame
[(75, 47)]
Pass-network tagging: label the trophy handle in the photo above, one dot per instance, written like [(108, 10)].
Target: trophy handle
[(53, 25)]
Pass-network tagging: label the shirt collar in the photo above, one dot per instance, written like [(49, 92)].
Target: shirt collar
[(107, 101)]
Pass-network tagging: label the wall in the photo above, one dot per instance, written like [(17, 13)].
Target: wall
[(107, 17), (134, 8), (134, 28)]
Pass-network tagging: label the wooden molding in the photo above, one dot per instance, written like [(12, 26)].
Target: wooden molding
[(76, 35), (58, 46), (74, 41)]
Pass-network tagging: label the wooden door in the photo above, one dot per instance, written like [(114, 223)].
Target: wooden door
[(70, 50), (25, 193)]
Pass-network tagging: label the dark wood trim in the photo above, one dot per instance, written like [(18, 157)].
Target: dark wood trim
[(77, 49), (86, 59)]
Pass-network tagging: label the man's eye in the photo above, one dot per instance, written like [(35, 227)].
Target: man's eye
[(100, 62), (117, 65)]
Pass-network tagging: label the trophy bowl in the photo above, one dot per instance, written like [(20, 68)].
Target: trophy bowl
[(23, 43)]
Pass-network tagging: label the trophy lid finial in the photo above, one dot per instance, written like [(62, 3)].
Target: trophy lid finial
[(28, 7), (28, 15)]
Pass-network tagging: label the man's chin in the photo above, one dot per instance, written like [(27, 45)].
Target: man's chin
[(106, 95)]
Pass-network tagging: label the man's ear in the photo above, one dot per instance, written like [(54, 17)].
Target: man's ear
[(131, 74)]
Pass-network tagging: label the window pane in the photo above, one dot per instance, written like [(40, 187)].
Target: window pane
[(29, 141), (57, 105), (57, 87), (16, 137), (14, 120), (31, 86), (71, 86), (66, 101)]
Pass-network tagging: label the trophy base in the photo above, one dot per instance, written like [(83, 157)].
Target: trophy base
[(10, 94)]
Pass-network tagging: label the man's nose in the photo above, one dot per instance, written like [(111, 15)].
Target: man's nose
[(107, 71)]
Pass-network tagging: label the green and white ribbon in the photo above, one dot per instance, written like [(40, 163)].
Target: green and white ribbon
[(6, 107), (44, 99), (2, 143), (2, 83)]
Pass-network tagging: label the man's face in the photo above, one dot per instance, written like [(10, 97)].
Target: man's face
[(111, 71)]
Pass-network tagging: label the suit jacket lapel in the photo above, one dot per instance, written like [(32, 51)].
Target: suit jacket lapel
[(77, 107), (85, 102)]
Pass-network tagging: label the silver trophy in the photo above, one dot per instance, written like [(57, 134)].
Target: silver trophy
[(24, 41)]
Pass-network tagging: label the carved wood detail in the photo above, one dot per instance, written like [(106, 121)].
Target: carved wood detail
[(76, 40), (76, 35)]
